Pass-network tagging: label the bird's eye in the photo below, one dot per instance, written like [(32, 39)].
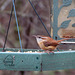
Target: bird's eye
[(39, 37)]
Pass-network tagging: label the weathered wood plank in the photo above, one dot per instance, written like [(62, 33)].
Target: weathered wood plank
[(36, 61), (58, 61), (19, 61)]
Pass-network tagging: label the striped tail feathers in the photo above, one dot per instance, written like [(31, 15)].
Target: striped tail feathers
[(63, 39)]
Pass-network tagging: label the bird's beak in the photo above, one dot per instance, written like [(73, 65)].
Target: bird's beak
[(34, 35)]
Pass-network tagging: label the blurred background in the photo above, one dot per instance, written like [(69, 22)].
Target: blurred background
[(29, 25)]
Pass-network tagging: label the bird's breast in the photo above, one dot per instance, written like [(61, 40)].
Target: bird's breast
[(42, 46)]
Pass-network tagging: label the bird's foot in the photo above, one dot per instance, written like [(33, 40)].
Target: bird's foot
[(52, 52), (57, 49), (49, 52)]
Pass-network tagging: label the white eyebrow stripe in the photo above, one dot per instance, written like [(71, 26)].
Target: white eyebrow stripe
[(44, 37)]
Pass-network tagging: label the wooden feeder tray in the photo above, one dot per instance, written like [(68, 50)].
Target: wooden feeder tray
[(35, 60)]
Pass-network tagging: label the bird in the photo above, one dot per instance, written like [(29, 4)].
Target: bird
[(48, 44)]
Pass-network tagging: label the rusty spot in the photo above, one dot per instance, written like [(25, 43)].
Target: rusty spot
[(55, 37), (68, 36), (41, 67)]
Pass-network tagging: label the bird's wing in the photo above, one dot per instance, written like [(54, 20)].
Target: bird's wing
[(50, 43)]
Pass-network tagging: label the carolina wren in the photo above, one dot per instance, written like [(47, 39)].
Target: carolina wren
[(48, 44)]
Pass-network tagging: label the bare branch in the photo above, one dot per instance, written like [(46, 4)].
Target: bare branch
[(5, 4), (18, 13)]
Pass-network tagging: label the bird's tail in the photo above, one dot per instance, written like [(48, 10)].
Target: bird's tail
[(63, 39)]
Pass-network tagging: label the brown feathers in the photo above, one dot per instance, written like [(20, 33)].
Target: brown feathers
[(47, 43)]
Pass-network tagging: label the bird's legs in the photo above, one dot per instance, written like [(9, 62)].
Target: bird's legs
[(52, 52), (57, 49), (47, 51)]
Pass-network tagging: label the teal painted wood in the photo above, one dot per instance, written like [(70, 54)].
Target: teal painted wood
[(73, 25), (58, 61), (71, 13), (21, 61), (56, 11), (65, 24)]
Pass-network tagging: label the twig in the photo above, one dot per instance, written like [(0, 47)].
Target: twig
[(5, 5), (18, 13), (25, 7)]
